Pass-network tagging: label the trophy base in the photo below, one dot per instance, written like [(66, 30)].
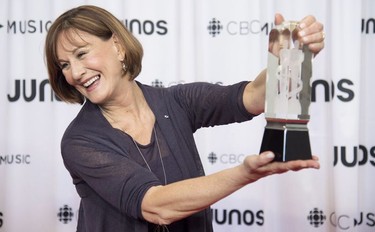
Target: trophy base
[(289, 141)]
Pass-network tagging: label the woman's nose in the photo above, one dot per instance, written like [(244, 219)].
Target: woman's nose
[(77, 70)]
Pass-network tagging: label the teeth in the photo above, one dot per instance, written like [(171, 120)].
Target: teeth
[(89, 82)]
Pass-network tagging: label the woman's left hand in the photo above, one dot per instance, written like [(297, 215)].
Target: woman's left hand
[(311, 32)]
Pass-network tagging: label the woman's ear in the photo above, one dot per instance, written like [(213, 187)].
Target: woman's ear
[(119, 47)]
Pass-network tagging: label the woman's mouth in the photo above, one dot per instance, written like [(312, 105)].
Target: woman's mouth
[(91, 81)]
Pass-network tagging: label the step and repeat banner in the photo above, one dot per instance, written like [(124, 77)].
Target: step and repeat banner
[(217, 41)]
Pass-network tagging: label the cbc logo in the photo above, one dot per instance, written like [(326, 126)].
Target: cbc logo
[(225, 158), (346, 222)]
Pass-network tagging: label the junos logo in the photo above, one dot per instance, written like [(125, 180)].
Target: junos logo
[(1, 219), (368, 26), (238, 217), (146, 27), (342, 90), (40, 90), (351, 157), (31, 90)]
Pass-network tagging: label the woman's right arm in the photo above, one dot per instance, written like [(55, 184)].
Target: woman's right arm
[(165, 204)]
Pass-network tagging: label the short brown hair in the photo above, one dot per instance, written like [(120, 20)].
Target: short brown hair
[(98, 22)]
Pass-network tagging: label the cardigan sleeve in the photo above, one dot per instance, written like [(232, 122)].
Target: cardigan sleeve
[(99, 163), (209, 104)]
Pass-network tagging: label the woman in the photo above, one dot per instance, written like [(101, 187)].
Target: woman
[(130, 150)]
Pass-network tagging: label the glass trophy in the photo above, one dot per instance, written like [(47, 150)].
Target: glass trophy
[(288, 95)]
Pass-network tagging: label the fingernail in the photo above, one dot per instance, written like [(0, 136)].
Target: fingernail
[(302, 25), (301, 33), (270, 155)]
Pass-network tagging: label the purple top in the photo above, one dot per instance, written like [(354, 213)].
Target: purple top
[(110, 175)]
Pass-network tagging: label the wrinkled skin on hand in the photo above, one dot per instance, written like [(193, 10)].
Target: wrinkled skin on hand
[(259, 166)]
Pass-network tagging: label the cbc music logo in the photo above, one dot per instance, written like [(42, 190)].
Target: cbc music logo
[(244, 27), (31, 26), (213, 158), (344, 222), (10, 159), (65, 214), (136, 26)]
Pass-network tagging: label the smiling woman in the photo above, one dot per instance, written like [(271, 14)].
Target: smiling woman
[(131, 150), (86, 61), (96, 22)]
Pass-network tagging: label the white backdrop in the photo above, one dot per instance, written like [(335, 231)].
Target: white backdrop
[(36, 192)]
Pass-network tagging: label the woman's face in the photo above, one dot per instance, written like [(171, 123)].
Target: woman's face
[(91, 65)]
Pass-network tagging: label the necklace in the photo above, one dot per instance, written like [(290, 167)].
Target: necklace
[(158, 228), (161, 228), (144, 159)]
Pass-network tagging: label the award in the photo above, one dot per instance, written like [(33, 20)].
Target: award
[(288, 95)]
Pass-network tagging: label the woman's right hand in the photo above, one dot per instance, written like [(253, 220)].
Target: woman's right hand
[(259, 166)]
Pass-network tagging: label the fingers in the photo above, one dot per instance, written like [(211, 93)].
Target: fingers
[(302, 164), (262, 165), (312, 33), (254, 162), (265, 158), (307, 21), (278, 19), (316, 47)]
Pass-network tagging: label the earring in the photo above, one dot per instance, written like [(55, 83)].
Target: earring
[(124, 68)]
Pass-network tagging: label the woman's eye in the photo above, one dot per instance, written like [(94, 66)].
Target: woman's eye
[(80, 54), (63, 65)]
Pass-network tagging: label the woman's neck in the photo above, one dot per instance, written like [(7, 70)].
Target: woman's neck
[(131, 114)]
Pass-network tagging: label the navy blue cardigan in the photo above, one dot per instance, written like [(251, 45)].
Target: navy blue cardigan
[(110, 178)]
